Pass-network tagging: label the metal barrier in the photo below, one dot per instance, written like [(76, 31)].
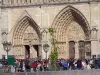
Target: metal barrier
[(4, 69)]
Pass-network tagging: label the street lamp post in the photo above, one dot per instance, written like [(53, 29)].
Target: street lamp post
[(6, 45), (46, 49)]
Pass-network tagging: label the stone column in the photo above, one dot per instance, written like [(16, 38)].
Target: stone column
[(40, 50), (43, 53), (15, 2), (5, 2), (23, 51), (94, 41), (28, 1), (23, 1), (18, 1), (76, 50), (10, 2)]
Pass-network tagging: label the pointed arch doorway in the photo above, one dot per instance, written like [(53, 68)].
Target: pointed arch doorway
[(72, 29), (26, 39)]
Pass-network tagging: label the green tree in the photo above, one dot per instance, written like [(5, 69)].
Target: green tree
[(54, 51)]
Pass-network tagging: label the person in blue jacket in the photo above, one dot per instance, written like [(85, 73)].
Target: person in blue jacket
[(98, 64), (65, 65)]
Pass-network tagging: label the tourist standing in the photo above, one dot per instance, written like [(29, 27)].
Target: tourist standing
[(79, 64), (65, 65), (34, 65), (27, 67)]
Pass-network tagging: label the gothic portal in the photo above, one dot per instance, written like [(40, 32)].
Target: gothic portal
[(26, 39), (72, 33)]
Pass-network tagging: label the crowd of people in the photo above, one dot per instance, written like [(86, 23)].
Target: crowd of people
[(60, 65)]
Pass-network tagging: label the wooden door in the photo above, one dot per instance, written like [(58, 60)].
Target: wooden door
[(88, 49), (71, 49), (81, 50)]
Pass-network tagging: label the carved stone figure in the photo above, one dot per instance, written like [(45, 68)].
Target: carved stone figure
[(94, 34)]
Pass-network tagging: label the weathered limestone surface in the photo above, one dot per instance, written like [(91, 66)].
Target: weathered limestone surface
[(16, 17)]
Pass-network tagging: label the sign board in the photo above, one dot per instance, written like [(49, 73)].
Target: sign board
[(11, 60)]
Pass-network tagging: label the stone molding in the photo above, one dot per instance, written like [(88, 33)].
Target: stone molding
[(25, 3)]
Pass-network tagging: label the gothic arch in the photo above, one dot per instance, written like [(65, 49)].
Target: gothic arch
[(65, 17), (70, 19), (22, 24), (20, 27)]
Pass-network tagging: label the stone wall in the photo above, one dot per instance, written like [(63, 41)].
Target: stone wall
[(44, 16)]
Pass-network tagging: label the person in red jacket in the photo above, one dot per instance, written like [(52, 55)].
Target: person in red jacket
[(34, 65)]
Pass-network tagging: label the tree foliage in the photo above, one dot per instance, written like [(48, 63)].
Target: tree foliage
[(54, 51)]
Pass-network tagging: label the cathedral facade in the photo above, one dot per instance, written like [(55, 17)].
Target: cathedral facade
[(77, 25)]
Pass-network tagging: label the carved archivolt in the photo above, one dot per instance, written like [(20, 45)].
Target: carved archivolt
[(70, 25), (25, 23), (20, 29), (64, 19)]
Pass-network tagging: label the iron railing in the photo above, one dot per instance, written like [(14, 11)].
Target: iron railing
[(4, 69)]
